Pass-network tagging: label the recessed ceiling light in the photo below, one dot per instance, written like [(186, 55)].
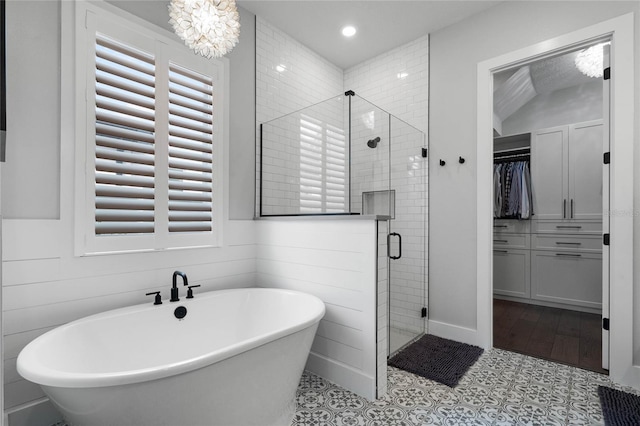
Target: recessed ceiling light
[(281, 68), (348, 31)]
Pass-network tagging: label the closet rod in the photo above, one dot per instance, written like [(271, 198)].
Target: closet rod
[(509, 158), (521, 150)]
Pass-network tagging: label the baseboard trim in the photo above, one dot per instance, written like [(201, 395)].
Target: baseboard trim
[(549, 304), (455, 332), (342, 375), (40, 412)]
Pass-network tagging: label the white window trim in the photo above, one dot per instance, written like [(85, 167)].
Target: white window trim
[(99, 16)]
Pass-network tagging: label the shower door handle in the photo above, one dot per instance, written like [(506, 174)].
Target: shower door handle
[(395, 234)]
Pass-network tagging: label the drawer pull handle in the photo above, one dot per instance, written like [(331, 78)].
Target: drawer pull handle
[(568, 226), (568, 255), (568, 243), (500, 226), (501, 241), (500, 251)]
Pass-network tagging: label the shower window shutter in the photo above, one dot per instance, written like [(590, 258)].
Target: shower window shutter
[(322, 167), (151, 176), (335, 175)]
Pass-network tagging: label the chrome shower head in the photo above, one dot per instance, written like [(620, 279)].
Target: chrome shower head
[(372, 143)]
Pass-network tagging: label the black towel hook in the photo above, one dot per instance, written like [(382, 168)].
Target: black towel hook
[(442, 162), (461, 160)]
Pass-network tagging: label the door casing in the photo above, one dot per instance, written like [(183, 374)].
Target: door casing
[(620, 30)]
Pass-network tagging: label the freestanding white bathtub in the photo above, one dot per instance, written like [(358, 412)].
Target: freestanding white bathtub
[(235, 359)]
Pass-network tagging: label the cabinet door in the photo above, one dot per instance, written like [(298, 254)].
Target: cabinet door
[(585, 170), (511, 272), (549, 173), (571, 278)]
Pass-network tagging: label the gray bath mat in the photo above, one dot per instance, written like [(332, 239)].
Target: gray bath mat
[(435, 358), (619, 408)]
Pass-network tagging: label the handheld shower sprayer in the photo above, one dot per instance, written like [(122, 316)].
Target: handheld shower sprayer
[(372, 143)]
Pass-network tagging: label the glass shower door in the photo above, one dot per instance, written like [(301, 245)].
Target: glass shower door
[(407, 238)]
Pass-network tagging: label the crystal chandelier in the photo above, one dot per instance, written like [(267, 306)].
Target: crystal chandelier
[(209, 27), (589, 61)]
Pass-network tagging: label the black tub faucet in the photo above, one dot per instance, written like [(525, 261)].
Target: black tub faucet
[(174, 287)]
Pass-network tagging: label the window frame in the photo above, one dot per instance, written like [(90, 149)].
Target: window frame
[(92, 18)]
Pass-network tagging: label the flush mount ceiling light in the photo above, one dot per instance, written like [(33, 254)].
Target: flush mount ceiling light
[(209, 27), (348, 31), (589, 61)]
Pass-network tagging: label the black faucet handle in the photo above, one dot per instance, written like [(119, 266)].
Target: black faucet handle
[(190, 291), (158, 298)]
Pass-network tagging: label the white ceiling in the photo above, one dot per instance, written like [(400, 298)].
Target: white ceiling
[(381, 25), (515, 87)]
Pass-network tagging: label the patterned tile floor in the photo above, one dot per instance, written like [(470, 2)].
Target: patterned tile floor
[(501, 388)]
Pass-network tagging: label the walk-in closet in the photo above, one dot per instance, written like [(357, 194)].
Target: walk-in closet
[(548, 211)]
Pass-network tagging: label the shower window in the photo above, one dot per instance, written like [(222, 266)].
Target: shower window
[(322, 167)]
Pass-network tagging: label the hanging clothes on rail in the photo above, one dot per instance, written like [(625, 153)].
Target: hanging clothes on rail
[(512, 190)]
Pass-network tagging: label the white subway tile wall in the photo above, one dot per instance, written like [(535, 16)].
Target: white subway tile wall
[(289, 77), (398, 82), (369, 166)]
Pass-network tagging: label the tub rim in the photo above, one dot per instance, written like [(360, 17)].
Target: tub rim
[(29, 367)]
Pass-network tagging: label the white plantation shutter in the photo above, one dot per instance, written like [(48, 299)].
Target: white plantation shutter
[(151, 137), (190, 150), (124, 129), (335, 173), (322, 167), (310, 165)]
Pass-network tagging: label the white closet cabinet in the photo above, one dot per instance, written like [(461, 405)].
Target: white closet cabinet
[(511, 275), (566, 172), (572, 278), (512, 258)]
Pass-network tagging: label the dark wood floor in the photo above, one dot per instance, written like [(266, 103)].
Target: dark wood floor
[(568, 337)]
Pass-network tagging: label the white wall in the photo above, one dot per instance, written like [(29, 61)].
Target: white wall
[(44, 284), (33, 111), (455, 53), (335, 260), (242, 110), (561, 107)]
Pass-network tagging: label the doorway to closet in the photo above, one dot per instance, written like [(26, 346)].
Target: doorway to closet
[(549, 194)]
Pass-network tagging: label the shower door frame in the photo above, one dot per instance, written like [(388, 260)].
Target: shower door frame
[(422, 151)]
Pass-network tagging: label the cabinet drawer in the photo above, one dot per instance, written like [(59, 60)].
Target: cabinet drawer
[(579, 243), (571, 278), (511, 240), (512, 226), (567, 227)]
